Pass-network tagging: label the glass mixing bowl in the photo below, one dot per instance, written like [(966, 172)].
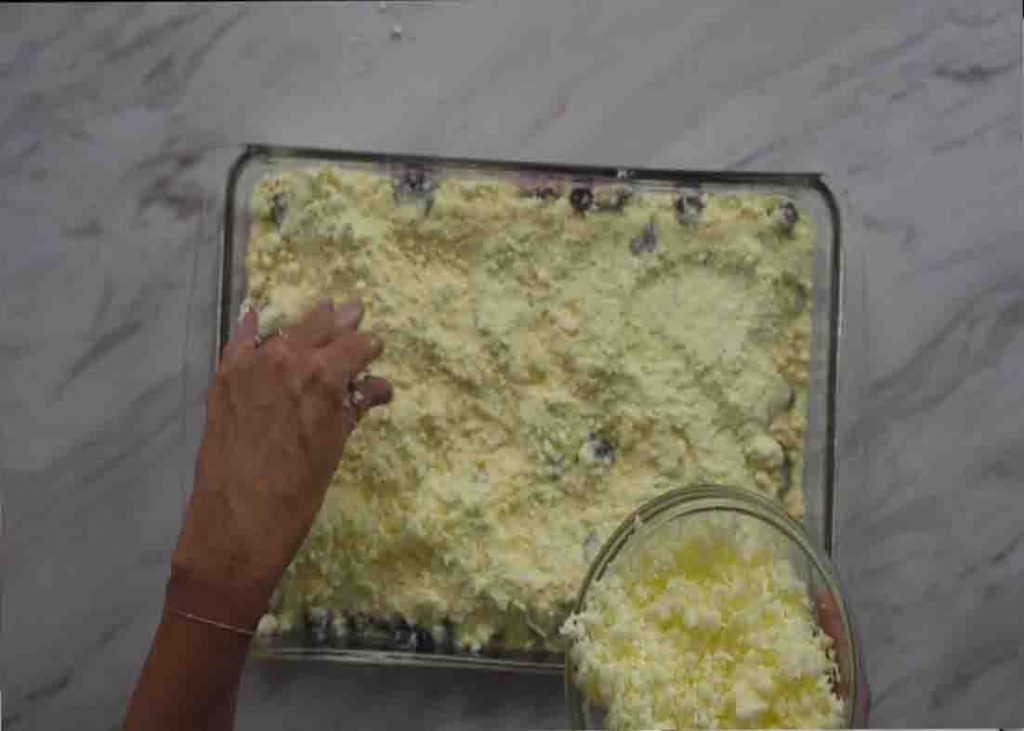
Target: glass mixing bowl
[(812, 566)]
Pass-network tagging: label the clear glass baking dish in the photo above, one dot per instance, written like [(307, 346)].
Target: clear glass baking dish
[(808, 191)]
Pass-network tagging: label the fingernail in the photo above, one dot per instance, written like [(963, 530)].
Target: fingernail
[(327, 304), (349, 311)]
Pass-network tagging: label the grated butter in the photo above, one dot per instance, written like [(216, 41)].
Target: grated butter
[(549, 378), (705, 624)]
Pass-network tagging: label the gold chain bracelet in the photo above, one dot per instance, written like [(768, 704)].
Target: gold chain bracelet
[(210, 622)]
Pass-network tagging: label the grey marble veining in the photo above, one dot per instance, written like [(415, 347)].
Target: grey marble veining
[(117, 124)]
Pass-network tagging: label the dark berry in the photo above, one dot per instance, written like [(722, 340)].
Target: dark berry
[(786, 215), (279, 209), (601, 449), (447, 636), (319, 626), (424, 640), (356, 628), (414, 180), (646, 241), (689, 206), (414, 185), (402, 636), (581, 198)]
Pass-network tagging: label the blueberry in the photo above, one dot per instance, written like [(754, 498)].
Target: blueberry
[(786, 216), (402, 636), (414, 180), (646, 241), (495, 645), (279, 209), (601, 449), (447, 636), (415, 184), (356, 627), (581, 198), (689, 205), (318, 626), (424, 641)]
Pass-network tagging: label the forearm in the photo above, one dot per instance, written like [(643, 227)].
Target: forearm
[(278, 413), (222, 715), (191, 676)]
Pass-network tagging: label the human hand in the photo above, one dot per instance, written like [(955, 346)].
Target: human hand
[(278, 415)]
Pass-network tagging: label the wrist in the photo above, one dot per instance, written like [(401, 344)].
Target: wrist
[(233, 603)]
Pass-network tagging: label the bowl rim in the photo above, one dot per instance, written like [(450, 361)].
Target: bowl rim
[(705, 497)]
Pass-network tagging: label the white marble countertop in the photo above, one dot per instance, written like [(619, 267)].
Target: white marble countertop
[(117, 124)]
